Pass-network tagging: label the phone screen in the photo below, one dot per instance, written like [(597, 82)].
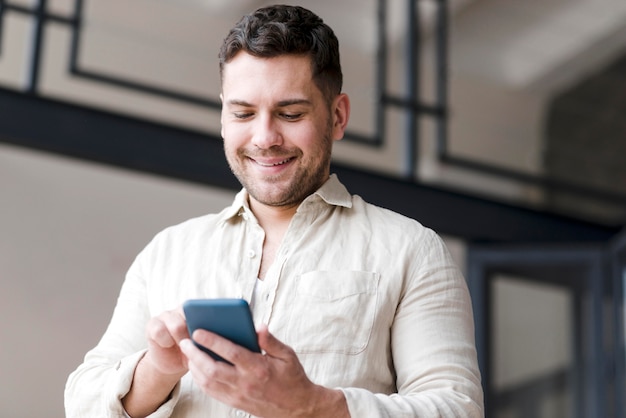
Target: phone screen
[(230, 318)]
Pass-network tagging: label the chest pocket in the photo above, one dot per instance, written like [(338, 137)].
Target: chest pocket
[(333, 312)]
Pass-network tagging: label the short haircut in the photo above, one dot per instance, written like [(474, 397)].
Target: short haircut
[(282, 30)]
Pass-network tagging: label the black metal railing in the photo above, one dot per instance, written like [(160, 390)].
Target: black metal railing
[(411, 103)]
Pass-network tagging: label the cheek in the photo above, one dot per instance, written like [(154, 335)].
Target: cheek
[(230, 144), (306, 136), (230, 151), (316, 143), (233, 136)]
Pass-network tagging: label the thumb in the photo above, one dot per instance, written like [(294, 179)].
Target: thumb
[(271, 345)]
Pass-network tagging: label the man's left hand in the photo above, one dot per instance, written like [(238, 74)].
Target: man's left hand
[(273, 384)]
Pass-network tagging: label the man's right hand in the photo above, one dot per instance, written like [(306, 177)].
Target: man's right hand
[(164, 332), (164, 364)]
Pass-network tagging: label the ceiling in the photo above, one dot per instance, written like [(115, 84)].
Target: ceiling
[(537, 44)]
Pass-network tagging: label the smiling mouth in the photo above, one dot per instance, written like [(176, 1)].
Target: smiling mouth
[(285, 161)]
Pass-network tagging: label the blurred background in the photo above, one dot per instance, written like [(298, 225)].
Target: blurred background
[(498, 123)]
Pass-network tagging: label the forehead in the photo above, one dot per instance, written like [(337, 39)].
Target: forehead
[(247, 75)]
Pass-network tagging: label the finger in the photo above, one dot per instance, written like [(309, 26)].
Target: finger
[(193, 353), (167, 329), (216, 378), (234, 353), (204, 368), (272, 346), (175, 323), (213, 377), (157, 332)]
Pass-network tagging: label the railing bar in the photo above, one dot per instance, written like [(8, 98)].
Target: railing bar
[(2, 9), (381, 74), (441, 71), (144, 88), (545, 182), (36, 48), (19, 8), (75, 40), (415, 106), (412, 87), (34, 11)]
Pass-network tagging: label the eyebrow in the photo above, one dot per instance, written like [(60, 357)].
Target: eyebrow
[(282, 103), (285, 103)]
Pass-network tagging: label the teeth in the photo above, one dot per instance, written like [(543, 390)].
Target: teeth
[(274, 165)]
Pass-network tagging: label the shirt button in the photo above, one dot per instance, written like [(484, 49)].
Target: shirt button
[(251, 253), (240, 413)]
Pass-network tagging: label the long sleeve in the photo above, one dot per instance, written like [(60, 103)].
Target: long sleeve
[(432, 342), (96, 387), (178, 264)]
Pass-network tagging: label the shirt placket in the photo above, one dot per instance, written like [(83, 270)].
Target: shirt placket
[(272, 279), (275, 273), (251, 257), (250, 264)]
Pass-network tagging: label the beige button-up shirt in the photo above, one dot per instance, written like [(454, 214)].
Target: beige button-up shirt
[(370, 301)]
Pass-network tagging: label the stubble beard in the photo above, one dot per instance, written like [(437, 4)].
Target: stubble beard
[(285, 192)]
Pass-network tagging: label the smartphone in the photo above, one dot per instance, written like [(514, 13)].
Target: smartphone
[(230, 318)]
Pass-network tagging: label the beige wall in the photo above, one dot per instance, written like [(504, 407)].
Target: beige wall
[(68, 232)]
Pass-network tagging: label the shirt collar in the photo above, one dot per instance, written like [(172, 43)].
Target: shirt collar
[(238, 208), (333, 192)]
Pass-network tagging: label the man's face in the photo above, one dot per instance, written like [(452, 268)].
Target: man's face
[(277, 128)]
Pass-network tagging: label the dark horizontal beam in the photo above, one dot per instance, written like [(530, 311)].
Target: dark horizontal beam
[(72, 130), (104, 137), (470, 217)]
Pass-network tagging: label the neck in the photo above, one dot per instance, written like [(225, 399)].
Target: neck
[(274, 220), (272, 217)]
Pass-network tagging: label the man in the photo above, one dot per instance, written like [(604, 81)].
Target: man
[(359, 311)]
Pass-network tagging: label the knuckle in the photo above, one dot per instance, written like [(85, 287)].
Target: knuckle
[(261, 373), (248, 390), (234, 356), (166, 328), (179, 329), (212, 376), (155, 328), (208, 377)]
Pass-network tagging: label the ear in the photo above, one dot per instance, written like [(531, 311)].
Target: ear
[(340, 114)]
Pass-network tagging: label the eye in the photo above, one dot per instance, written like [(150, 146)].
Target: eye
[(291, 116), (242, 115)]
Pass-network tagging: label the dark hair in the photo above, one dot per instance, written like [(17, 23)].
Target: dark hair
[(278, 30)]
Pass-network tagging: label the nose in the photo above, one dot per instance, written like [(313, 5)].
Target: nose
[(266, 133)]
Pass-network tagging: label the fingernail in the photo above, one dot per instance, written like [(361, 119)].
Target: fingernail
[(185, 344)]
